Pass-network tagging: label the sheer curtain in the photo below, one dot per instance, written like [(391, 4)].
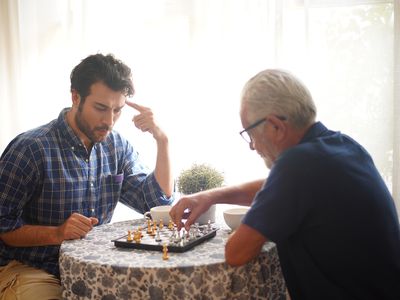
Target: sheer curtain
[(190, 59), (9, 70)]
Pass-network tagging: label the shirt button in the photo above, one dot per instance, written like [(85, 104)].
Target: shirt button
[(73, 148), (86, 160), (91, 184)]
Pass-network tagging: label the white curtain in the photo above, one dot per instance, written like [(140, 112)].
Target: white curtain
[(396, 106), (190, 59), (9, 70)]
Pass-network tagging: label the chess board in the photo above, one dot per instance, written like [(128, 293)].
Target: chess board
[(175, 241)]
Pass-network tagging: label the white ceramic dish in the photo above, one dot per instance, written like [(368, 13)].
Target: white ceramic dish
[(233, 216)]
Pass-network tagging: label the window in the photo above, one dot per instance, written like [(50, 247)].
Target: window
[(191, 58)]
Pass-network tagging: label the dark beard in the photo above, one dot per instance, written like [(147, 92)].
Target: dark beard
[(84, 127)]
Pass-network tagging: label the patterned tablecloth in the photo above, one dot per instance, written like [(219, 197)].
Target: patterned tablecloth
[(93, 268)]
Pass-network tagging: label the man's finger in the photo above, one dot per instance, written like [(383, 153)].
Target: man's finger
[(94, 220), (135, 106), (80, 218), (176, 213), (190, 220)]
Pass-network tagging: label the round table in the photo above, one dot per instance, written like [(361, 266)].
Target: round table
[(93, 268)]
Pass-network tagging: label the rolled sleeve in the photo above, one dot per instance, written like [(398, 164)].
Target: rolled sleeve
[(140, 189), (153, 194), (142, 192)]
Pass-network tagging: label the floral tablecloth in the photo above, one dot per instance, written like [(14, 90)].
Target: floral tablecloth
[(93, 268)]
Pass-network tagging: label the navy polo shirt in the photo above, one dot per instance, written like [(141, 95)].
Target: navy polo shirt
[(333, 219)]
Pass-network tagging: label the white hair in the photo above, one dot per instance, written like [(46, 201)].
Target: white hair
[(279, 93)]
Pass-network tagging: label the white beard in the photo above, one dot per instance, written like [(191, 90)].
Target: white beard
[(267, 161)]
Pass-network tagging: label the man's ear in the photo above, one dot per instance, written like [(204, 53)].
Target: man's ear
[(76, 98), (279, 128)]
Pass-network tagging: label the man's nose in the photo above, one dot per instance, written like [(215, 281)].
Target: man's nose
[(109, 119), (251, 145)]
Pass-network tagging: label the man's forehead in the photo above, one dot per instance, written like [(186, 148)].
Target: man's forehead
[(109, 102)]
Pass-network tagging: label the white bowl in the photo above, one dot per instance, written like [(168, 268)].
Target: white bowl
[(233, 216)]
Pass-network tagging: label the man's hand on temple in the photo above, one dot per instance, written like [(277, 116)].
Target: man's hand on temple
[(145, 121)]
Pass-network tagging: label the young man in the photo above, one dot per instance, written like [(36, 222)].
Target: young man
[(61, 179), (324, 203)]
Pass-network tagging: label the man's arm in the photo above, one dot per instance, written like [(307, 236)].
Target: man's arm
[(145, 122), (162, 171), (198, 203), (75, 227), (243, 245)]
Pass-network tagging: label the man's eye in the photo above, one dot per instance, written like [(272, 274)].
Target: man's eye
[(100, 108)]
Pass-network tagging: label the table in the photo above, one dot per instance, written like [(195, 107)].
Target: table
[(93, 268)]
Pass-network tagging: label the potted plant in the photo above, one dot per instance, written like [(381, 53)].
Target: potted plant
[(197, 178)]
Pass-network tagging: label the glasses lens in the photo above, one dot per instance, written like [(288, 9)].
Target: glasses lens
[(246, 136)]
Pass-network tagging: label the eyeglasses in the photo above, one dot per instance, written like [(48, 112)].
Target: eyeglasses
[(245, 134)]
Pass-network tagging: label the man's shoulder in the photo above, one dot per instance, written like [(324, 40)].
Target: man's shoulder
[(299, 155), (34, 138), (116, 142), (115, 139), (332, 151), (42, 131)]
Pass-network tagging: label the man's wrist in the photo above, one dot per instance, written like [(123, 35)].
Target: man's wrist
[(162, 139)]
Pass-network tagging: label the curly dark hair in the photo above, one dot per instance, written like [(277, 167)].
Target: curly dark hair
[(104, 68)]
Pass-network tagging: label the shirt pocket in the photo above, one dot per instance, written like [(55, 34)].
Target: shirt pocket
[(111, 186)]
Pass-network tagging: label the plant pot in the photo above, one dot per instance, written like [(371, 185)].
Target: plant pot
[(209, 215)]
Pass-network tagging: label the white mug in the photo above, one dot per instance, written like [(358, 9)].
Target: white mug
[(158, 213)]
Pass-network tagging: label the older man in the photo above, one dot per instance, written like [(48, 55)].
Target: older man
[(324, 203), (59, 180)]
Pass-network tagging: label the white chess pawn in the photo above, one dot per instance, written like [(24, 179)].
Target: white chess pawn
[(158, 238), (173, 235), (178, 237), (184, 236), (197, 230)]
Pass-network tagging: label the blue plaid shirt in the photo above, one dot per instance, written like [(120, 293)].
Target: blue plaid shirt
[(46, 174)]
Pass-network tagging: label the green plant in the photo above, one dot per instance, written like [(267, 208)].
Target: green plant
[(199, 177)]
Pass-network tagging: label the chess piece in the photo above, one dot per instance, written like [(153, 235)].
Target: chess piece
[(139, 230), (178, 237), (173, 235), (192, 232), (170, 225), (153, 231), (197, 230), (137, 236), (184, 236), (161, 224), (129, 237), (149, 226), (165, 252), (158, 238)]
